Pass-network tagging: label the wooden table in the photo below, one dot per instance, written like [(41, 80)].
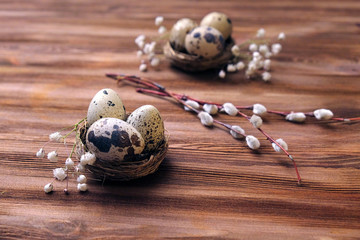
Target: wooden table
[(53, 57)]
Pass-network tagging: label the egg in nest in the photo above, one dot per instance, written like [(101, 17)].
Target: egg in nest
[(106, 103), (219, 21), (179, 31), (112, 139), (147, 120), (205, 42)]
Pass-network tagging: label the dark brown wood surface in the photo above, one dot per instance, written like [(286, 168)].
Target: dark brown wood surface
[(53, 57)]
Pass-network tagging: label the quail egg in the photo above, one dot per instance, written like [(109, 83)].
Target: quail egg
[(205, 42), (106, 103), (147, 120), (218, 21), (112, 139), (179, 31)]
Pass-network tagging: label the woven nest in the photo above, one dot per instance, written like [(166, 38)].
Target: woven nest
[(140, 166), (192, 63)]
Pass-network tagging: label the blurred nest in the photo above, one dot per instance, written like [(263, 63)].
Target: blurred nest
[(140, 166), (193, 63)]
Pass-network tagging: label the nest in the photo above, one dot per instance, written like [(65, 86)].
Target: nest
[(192, 63), (141, 166)]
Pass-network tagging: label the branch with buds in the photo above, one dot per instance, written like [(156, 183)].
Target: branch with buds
[(211, 108)]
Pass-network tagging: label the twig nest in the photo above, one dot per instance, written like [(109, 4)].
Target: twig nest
[(205, 47), (126, 148)]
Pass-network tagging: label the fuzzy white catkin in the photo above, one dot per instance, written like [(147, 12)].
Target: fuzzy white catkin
[(69, 163), (260, 33), (82, 187), (263, 49), (266, 76), (149, 47), (159, 20), (230, 109), (268, 55), (222, 74), (240, 66), (281, 36), (152, 46), (87, 159), (276, 48), (162, 30), (52, 156), (235, 50), (48, 188), (259, 109), (267, 64), (146, 48), (256, 121), (236, 134), (140, 38), (252, 142), (282, 143), (256, 56), (206, 119), (253, 47), (323, 114), (143, 67), (59, 174), (140, 44), (192, 104), (40, 153), (296, 117), (260, 64), (251, 69), (81, 179), (55, 137), (155, 62), (231, 68), (210, 108), (139, 53)]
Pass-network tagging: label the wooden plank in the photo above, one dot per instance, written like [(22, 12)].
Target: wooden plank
[(53, 57)]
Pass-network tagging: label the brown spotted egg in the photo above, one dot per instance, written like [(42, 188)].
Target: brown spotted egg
[(106, 103), (147, 120), (205, 42), (179, 31), (112, 139), (218, 21)]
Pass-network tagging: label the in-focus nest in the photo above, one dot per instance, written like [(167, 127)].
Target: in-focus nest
[(192, 63), (141, 166)]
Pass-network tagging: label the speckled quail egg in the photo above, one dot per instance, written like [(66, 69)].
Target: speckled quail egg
[(112, 139), (106, 103), (179, 31), (205, 42), (147, 120), (218, 21)]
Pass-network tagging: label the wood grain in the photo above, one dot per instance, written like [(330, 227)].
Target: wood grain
[(53, 57)]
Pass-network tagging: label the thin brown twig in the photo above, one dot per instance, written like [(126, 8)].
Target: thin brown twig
[(161, 91), (219, 105), (268, 137)]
